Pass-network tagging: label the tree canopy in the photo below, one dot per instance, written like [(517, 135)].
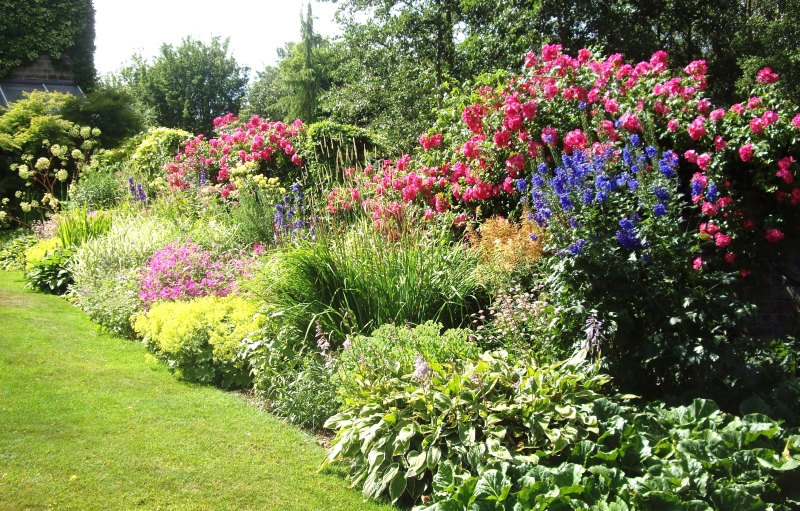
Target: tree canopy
[(188, 86)]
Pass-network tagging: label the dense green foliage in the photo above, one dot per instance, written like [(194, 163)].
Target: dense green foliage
[(188, 86), (463, 301), (111, 109), (396, 432), (49, 274), (59, 28), (692, 457)]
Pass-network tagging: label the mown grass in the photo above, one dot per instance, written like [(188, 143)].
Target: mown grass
[(86, 422)]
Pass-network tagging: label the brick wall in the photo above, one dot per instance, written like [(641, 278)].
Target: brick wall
[(43, 69)]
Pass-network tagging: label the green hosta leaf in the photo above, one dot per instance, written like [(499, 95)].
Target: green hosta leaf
[(737, 499), (390, 473), (696, 449), (697, 505), (444, 480), (397, 485), (494, 448), (757, 425), (791, 464), (493, 485), (613, 478), (661, 501), (754, 405), (373, 487), (442, 401), (466, 433), (433, 457), (405, 434), (416, 463), (568, 474), (582, 451), (375, 459)]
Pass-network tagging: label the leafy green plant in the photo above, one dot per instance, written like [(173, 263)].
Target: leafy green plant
[(255, 210), (40, 249), (393, 351), (396, 432), (106, 268), (97, 189), (369, 279), (299, 389), (12, 253), (202, 339), (50, 274), (78, 225), (687, 457)]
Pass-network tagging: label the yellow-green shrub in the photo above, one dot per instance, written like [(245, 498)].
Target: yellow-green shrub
[(202, 339), (37, 252)]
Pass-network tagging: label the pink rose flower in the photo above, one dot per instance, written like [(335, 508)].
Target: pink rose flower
[(703, 161), (746, 152), (674, 124), (709, 209), (767, 76), (716, 115), (722, 240), (774, 235)]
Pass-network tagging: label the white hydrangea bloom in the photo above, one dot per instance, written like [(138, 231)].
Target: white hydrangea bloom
[(42, 164)]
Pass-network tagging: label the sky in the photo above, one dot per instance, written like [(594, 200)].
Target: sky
[(256, 27)]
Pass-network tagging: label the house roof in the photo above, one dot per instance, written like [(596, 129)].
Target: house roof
[(12, 90)]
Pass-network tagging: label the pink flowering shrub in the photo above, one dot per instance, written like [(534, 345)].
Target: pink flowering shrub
[(211, 164), (651, 197), (183, 270), (479, 165)]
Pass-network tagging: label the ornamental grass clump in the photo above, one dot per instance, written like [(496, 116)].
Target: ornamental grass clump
[(106, 269), (358, 278), (78, 225)]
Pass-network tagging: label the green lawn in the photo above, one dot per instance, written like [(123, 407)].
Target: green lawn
[(89, 421)]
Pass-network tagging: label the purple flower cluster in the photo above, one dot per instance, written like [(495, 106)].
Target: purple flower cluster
[(292, 217), (137, 191), (181, 271), (627, 235)]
